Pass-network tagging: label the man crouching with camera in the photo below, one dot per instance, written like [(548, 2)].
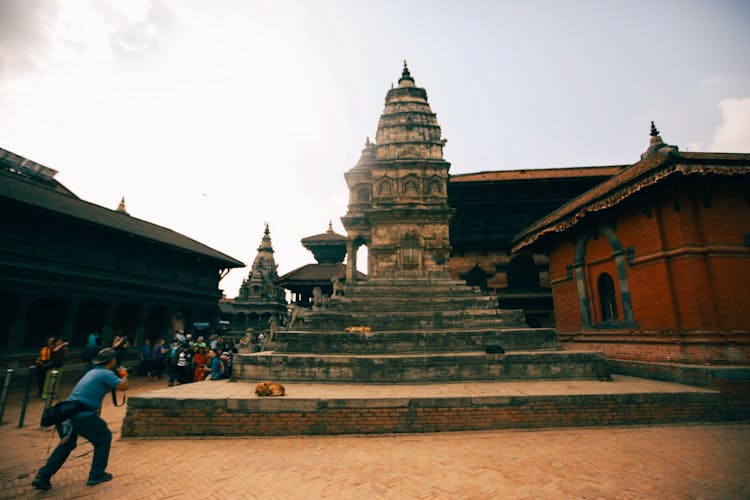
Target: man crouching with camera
[(88, 393)]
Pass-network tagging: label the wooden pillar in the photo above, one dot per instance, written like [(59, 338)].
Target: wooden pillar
[(18, 328), (140, 325), (108, 327), (69, 317)]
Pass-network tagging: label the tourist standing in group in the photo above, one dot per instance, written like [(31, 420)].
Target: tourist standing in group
[(57, 361), (201, 364), (43, 364), (174, 373), (216, 366), (159, 356), (88, 393), (185, 364), (146, 356), (120, 346)]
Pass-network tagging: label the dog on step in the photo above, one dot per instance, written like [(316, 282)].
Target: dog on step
[(270, 389)]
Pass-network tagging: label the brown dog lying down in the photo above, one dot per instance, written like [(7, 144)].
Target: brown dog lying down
[(269, 389), (358, 329)]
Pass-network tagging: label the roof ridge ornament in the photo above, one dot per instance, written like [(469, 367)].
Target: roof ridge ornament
[(656, 144), (654, 131), (121, 207)]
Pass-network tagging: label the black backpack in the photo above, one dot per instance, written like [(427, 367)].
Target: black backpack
[(61, 412)]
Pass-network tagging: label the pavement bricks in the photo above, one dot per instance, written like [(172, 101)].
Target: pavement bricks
[(676, 461)]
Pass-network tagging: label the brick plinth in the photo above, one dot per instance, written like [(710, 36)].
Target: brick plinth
[(161, 417)]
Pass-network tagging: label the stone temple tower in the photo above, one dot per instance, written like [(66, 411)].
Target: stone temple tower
[(408, 321), (398, 203), (259, 298)]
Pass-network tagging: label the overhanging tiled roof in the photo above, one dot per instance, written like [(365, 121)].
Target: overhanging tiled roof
[(314, 273), (629, 181), (537, 174), (25, 191)]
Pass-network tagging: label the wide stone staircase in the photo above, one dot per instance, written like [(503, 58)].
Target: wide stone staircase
[(416, 361), (415, 331)]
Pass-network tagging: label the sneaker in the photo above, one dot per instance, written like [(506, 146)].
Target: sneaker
[(41, 483), (101, 479)]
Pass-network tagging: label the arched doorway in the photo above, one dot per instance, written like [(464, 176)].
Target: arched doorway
[(8, 305), (522, 273), (126, 322), (88, 318), (156, 323), (607, 298)]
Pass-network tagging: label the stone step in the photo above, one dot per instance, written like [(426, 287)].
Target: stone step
[(412, 291), (411, 320), (412, 303), (421, 367), (409, 341)]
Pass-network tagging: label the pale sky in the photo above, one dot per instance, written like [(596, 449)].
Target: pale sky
[(213, 117)]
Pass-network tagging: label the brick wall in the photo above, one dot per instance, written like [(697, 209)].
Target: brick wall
[(168, 418), (688, 277)]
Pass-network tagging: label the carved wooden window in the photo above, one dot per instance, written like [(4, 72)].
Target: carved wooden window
[(607, 298), (363, 194), (410, 251)]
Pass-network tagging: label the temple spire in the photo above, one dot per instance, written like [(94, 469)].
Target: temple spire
[(330, 227), (405, 77)]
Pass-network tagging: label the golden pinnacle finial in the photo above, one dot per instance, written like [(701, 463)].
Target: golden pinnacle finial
[(121, 206)]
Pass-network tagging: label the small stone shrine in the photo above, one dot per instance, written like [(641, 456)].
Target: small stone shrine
[(409, 321)]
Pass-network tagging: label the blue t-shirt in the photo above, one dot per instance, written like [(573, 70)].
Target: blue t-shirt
[(216, 371), (92, 388)]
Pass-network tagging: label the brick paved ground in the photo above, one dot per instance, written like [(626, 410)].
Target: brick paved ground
[(699, 461)]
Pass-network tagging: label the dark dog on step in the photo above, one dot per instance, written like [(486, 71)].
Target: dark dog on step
[(493, 349)]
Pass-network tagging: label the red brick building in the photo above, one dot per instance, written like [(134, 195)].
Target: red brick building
[(653, 264)]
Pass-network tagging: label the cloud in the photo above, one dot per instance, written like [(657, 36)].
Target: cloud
[(25, 27), (733, 133)]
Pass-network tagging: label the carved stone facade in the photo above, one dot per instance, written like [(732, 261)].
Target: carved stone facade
[(398, 202), (409, 321)]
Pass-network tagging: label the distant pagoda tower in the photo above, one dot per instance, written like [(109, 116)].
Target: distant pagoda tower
[(259, 298), (329, 249), (398, 203)]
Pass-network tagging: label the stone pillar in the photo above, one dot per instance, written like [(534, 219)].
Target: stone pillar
[(18, 328), (351, 262), (622, 281), (140, 325), (583, 300)]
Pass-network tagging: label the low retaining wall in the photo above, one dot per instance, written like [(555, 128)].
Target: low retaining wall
[(732, 381), (168, 417), (407, 368), (399, 342)]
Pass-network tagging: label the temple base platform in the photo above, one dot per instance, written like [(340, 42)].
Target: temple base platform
[(231, 408)]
